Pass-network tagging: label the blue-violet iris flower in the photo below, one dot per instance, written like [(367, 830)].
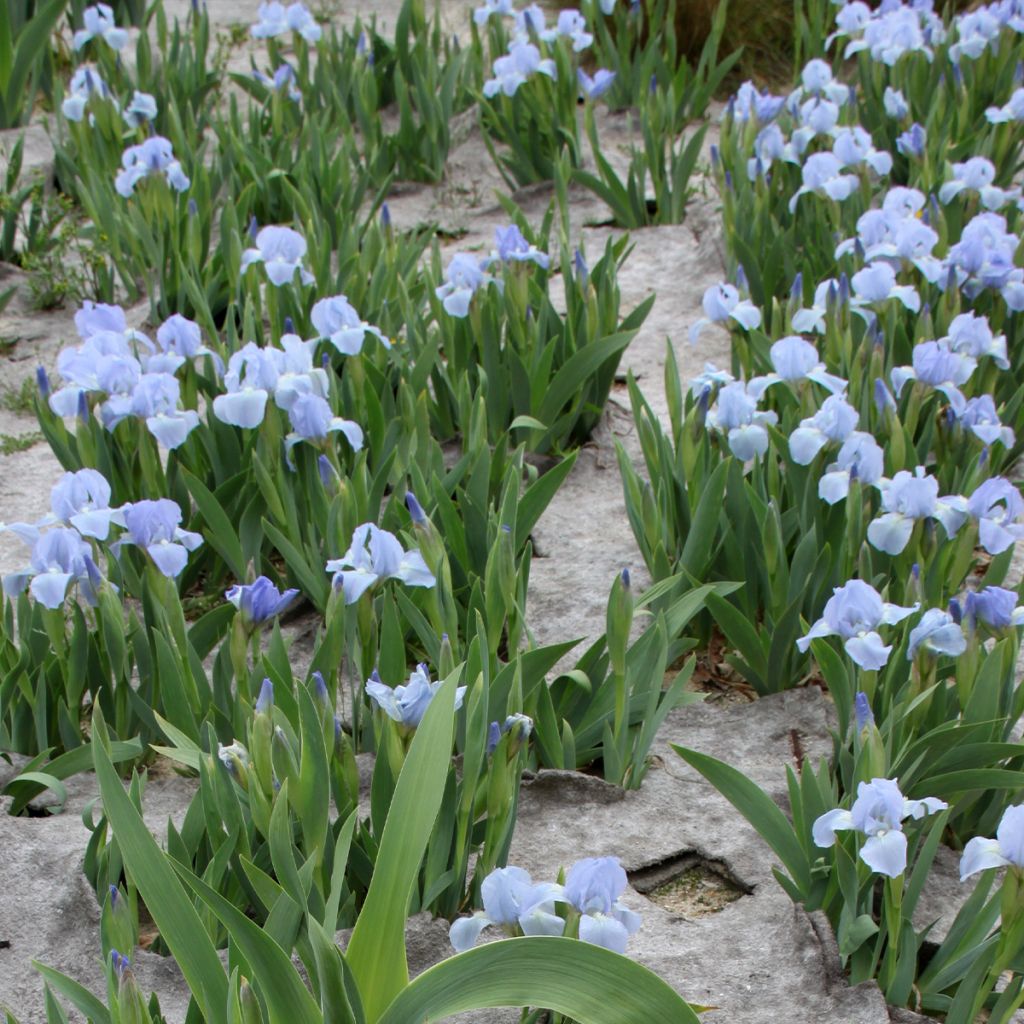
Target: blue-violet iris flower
[(260, 601)]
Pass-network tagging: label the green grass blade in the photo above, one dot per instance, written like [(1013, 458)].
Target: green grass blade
[(168, 903), (78, 995), (376, 952), (288, 1000), (586, 982)]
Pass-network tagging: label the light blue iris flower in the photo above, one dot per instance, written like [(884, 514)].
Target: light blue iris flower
[(154, 157), (181, 339), (514, 68), (141, 110), (822, 175), (275, 19), (833, 423), (895, 234), (977, 175), (59, 559), (512, 247), (1013, 110), (281, 251), (980, 417), (571, 25), (997, 505), (913, 142), (853, 147), (336, 320), (984, 258), (891, 33), (907, 498), (937, 633), (511, 900), (489, 7), (407, 704), (465, 274), (875, 284), (374, 556), (878, 813), (971, 334), (750, 103), (826, 297), (722, 303), (795, 359), (855, 612), (85, 83), (156, 527), (1006, 850), (736, 415), (313, 419), (895, 104), (593, 886), (976, 31), (155, 398), (598, 85), (860, 457), (99, 24), (282, 80), (254, 374), (82, 500), (939, 367), (247, 384)]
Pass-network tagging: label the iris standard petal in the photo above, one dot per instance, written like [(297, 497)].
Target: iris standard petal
[(504, 891)]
